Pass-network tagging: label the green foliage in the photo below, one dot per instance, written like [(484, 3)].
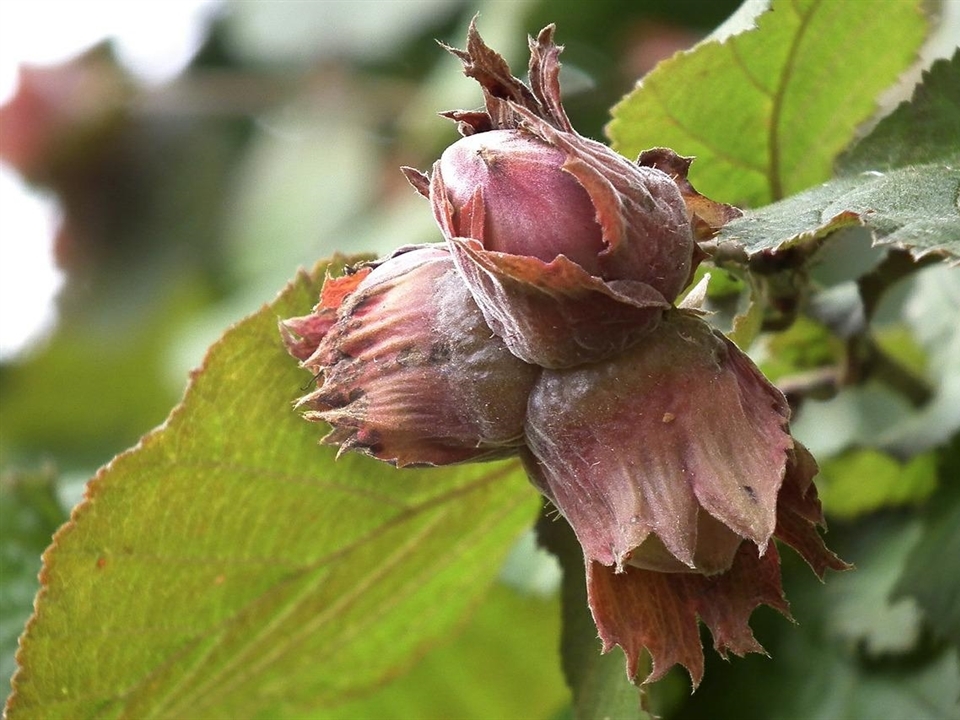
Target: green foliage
[(806, 345), (766, 112), (458, 680), (922, 131), (254, 573), (903, 190), (855, 653), (912, 207), (862, 481), (930, 575), (898, 342), (106, 386), (862, 613)]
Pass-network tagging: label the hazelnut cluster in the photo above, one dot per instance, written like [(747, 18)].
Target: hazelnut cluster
[(544, 326)]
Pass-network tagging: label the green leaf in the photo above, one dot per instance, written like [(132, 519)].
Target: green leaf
[(924, 130), (767, 112), (854, 417), (29, 514), (934, 585), (930, 308), (906, 205), (502, 665), (913, 208), (748, 323), (862, 481), (113, 369), (227, 567), (897, 341), (732, 303), (599, 682)]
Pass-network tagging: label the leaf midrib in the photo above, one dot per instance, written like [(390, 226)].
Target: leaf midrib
[(775, 170)]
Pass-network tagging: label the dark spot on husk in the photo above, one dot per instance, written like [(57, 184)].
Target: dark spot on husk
[(440, 352)]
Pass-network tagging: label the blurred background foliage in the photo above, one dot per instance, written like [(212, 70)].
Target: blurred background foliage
[(188, 205)]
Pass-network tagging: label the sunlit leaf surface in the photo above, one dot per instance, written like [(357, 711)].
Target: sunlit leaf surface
[(497, 667), (866, 480), (766, 112)]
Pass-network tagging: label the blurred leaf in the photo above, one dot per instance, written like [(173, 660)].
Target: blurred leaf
[(898, 342), (924, 130), (100, 382), (858, 607), (931, 574), (284, 33), (848, 256), (836, 686), (931, 426), (723, 283), (862, 481), (226, 567), (599, 682), (29, 515), (530, 569), (766, 112), (749, 322), (301, 191), (732, 303), (503, 665), (932, 309), (806, 345), (855, 417)]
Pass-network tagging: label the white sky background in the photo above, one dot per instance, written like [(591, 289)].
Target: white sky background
[(155, 39)]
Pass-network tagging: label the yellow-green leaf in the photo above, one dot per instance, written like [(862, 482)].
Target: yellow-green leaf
[(767, 111), (865, 480)]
